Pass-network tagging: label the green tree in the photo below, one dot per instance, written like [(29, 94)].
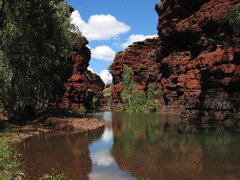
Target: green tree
[(129, 86), (36, 36), (138, 101)]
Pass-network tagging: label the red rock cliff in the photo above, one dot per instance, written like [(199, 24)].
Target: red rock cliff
[(199, 76), (82, 86), (142, 58)]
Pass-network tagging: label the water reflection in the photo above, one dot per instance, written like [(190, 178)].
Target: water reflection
[(58, 153), (135, 146), (149, 146)]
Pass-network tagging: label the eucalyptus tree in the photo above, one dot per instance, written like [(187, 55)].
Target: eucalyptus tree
[(36, 37)]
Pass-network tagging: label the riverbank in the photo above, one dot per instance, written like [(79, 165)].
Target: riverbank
[(48, 122), (45, 122)]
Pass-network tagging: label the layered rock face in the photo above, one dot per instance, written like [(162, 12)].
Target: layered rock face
[(142, 58), (198, 73), (83, 89)]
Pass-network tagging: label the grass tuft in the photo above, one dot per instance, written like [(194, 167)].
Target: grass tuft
[(55, 177), (10, 163)]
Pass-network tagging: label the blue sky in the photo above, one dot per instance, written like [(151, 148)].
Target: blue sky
[(110, 25)]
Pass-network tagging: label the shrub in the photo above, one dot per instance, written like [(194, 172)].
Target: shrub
[(152, 54), (128, 84), (108, 90), (160, 5), (232, 17), (229, 23), (138, 101)]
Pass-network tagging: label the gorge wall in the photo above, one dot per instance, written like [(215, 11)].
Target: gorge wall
[(142, 58), (83, 89), (197, 72)]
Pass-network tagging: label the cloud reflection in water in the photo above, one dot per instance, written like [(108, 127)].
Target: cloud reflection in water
[(102, 158)]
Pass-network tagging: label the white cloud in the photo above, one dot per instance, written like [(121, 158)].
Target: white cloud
[(102, 175), (106, 76), (103, 53), (135, 38), (107, 135), (102, 158), (90, 69), (99, 26)]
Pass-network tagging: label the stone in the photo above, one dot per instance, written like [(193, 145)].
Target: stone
[(81, 85), (197, 73)]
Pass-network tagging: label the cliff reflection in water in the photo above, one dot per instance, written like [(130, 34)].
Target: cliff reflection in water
[(135, 146), (59, 153), (149, 146)]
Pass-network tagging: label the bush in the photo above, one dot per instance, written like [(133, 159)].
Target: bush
[(152, 54), (160, 5), (229, 23), (108, 90), (129, 86), (138, 101), (232, 17)]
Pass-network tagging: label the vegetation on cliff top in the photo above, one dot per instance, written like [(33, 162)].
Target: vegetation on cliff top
[(230, 24), (138, 101), (232, 17), (36, 36)]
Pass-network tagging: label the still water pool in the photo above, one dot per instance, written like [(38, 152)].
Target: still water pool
[(134, 146)]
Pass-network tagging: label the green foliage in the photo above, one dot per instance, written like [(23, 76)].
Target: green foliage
[(233, 122), (152, 54), (94, 102), (9, 129), (36, 36), (138, 101), (10, 163), (229, 23), (108, 90), (55, 177), (160, 5), (129, 86), (135, 126), (232, 17), (153, 98), (109, 67)]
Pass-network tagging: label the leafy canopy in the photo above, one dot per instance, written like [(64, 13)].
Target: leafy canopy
[(36, 37)]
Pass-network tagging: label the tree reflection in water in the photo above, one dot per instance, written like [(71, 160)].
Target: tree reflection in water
[(145, 146), (59, 153), (150, 146)]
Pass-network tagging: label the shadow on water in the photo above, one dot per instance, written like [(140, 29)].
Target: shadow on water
[(135, 145)]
